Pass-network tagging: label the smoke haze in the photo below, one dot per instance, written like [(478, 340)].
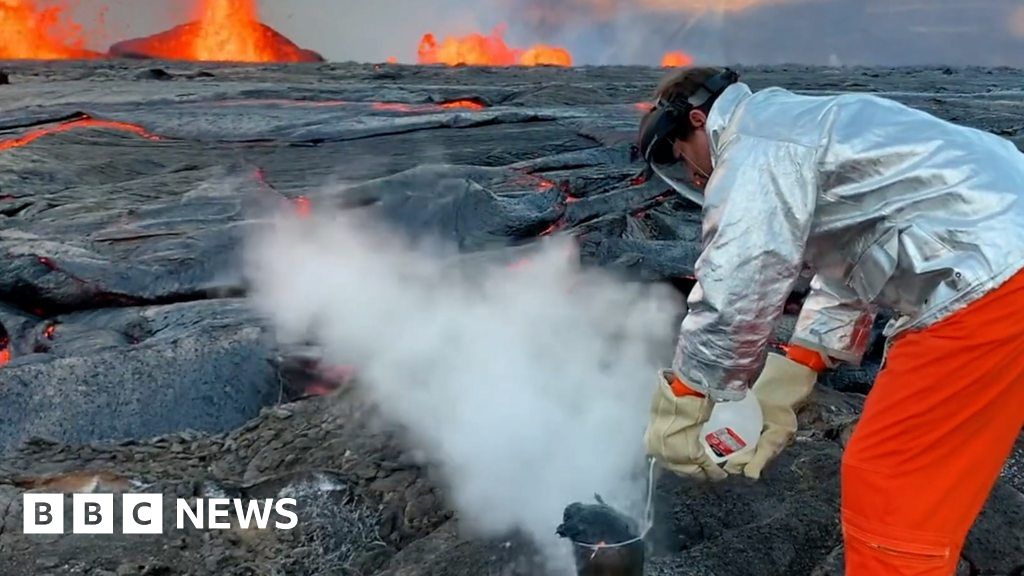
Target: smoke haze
[(529, 384), (950, 32), (632, 32)]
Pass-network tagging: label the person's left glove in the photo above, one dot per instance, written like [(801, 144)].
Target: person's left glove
[(782, 388), (673, 435)]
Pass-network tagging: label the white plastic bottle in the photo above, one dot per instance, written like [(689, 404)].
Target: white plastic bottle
[(733, 429)]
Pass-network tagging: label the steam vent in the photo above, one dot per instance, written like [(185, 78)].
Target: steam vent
[(136, 354)]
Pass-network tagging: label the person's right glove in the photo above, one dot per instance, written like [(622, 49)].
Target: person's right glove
[(782, 388), (673, 434)]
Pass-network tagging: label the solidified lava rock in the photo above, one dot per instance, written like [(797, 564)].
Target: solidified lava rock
[(155, 74), (136, 372), (605, 541), (168, 46), (595, 523)]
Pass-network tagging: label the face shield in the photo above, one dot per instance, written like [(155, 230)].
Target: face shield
[(658, 132), (660, 128)]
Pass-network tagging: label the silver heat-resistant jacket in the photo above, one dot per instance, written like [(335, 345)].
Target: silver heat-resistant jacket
[(886, 205)]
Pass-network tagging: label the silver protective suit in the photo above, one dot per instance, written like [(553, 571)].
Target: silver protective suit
[(886, 205)]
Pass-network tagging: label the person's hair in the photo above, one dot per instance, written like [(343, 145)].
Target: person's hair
[(678, 85)]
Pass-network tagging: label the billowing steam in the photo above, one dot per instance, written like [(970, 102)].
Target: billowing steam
[(527, 384)]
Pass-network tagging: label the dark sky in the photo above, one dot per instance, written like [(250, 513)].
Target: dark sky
[(888, 32)]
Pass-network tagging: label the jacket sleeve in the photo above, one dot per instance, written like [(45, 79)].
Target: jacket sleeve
[(836, 323), (757, 217)]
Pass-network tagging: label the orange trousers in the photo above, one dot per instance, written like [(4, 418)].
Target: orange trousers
[(937, 428)]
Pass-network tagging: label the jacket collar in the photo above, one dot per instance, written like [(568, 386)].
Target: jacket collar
[(722, 112)]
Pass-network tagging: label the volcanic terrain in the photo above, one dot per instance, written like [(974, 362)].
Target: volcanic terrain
[(133, 360)]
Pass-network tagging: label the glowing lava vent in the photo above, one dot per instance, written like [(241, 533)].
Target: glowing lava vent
[(479, 50), (226, 31)]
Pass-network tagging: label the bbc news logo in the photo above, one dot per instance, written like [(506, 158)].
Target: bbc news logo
[(144, 513)]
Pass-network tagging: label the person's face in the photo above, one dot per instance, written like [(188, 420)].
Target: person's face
[(695, 152)]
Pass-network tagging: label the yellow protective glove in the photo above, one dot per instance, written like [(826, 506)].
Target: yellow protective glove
[(673, 434), (782, 388)]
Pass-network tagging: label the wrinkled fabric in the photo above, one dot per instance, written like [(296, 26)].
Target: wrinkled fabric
[(935, 433), (888, 206)]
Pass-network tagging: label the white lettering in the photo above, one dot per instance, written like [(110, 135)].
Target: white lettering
[(219, 508), (185, 510), (253, 509), (282, 509)]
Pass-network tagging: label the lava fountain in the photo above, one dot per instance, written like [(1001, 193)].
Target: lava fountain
[(226, 31), (28, 32), (480, 50)]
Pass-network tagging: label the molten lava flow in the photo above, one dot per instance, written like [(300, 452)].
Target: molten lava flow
[(479, 50), (74, 124), (30, 32), (5, 346), (467, 104), (227, 31), (303, 206), (554, 227), (392, 107), (540, 183), (676, 60)]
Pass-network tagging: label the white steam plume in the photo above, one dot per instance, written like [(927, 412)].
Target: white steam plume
[(528, 385)]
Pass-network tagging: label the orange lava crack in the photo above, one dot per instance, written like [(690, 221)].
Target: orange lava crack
[(34, 135)]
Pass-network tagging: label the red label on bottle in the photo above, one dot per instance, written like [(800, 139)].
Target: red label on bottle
[(724, 442)]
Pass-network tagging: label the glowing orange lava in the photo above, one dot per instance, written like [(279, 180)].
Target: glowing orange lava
[(676, 60), (479, 50), (30, 32), (226, 31), (554, 227), (544, 55), (392, 107), (467, 104), (230, 30), (533, 180), (5, 342), (74, 125)]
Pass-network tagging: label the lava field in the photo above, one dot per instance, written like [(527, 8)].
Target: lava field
[(131, 357)]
